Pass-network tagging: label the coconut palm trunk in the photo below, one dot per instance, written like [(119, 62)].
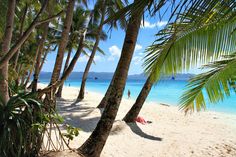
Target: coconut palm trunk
[(63, 42), (59, 91), (11, 52), (95, 143), (39, 56), (90, 61), (65, 74), (43, 60), (50, 96), (4, 94), (21, 33), (136, 108)]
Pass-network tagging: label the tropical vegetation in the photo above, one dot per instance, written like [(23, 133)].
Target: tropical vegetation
[(198, 33)]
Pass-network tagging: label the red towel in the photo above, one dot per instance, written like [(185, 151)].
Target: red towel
[(141, 120)]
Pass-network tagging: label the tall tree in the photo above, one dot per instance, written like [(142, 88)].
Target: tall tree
[(95, 143), (63, 41), (45, 28), (22, 19), (5, 48), (103, 7), (50, 96), (80, 23), (91, 58)]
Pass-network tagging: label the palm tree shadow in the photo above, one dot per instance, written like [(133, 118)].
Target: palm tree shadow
[(136, 129)]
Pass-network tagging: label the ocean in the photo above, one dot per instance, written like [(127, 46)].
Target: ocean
[(165, 91)]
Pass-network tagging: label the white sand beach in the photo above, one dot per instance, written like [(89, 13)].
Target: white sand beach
[(171, 133)]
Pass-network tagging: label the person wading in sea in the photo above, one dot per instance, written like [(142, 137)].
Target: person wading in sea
[(129, 93)]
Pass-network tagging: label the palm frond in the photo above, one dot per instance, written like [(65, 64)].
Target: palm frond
[(197, 37), (218, 84)]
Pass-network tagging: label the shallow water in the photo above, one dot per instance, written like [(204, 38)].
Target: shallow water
[(165, 91)]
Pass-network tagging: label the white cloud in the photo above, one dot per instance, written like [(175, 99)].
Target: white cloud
[(140, 53), (83, 58), (137, 60), (161, 23), (115, 52), (138, 47), (147, 24), (111, 58), (97, 58)]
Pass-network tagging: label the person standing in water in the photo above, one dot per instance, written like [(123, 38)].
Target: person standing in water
[(129, 93)]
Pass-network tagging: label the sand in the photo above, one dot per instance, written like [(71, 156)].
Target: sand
[(171, 133)]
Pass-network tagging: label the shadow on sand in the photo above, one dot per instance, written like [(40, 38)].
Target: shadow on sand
[(136, 129), (87, 123), (77, 114)]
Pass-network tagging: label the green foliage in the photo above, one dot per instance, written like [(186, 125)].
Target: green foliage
[(3, 12), (19, 132), (218, 83), (196, 37), (71, 132)]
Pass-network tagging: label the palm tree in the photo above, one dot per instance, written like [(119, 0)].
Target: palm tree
[(95, 143), (22, 23), (36, 22), (193, 40), (8, 52), (102, 7), (82, 30), (4, 94), (78, 25), (50, 98), (40, 49), (63, 41)]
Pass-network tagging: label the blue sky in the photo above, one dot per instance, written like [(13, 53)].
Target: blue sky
[(112, 47)]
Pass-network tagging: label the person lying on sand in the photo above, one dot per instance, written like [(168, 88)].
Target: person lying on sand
[(142, 120)]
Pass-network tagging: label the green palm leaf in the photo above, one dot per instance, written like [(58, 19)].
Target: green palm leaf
[(197, 37), (218, 83)]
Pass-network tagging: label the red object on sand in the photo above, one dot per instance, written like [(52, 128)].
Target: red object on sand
[(141, 120)]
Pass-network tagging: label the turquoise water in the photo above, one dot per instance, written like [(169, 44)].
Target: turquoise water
[(166, 91)]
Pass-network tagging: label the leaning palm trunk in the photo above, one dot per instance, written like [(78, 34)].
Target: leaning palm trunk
[(59, 92), (63, 42), (21, 33), (43, 60), (136, 108), (4, 95), (50, 96), (39, 56), (95, 143), (90, 61), (66, 73)]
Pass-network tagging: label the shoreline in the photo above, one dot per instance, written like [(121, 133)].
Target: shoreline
[(147, 101), (171, 133)]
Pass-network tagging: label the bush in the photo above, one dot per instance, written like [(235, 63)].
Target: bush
[(21, 126)]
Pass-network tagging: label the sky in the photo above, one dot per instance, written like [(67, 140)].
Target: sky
[(112, 47)]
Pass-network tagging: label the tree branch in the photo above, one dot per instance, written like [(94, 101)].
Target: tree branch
[(49, 19), (26, 34)]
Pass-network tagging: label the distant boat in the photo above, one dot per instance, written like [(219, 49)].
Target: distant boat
[(95, 78), (172, 78)]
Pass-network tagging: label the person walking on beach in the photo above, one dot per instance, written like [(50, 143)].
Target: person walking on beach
[(129, 93)]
